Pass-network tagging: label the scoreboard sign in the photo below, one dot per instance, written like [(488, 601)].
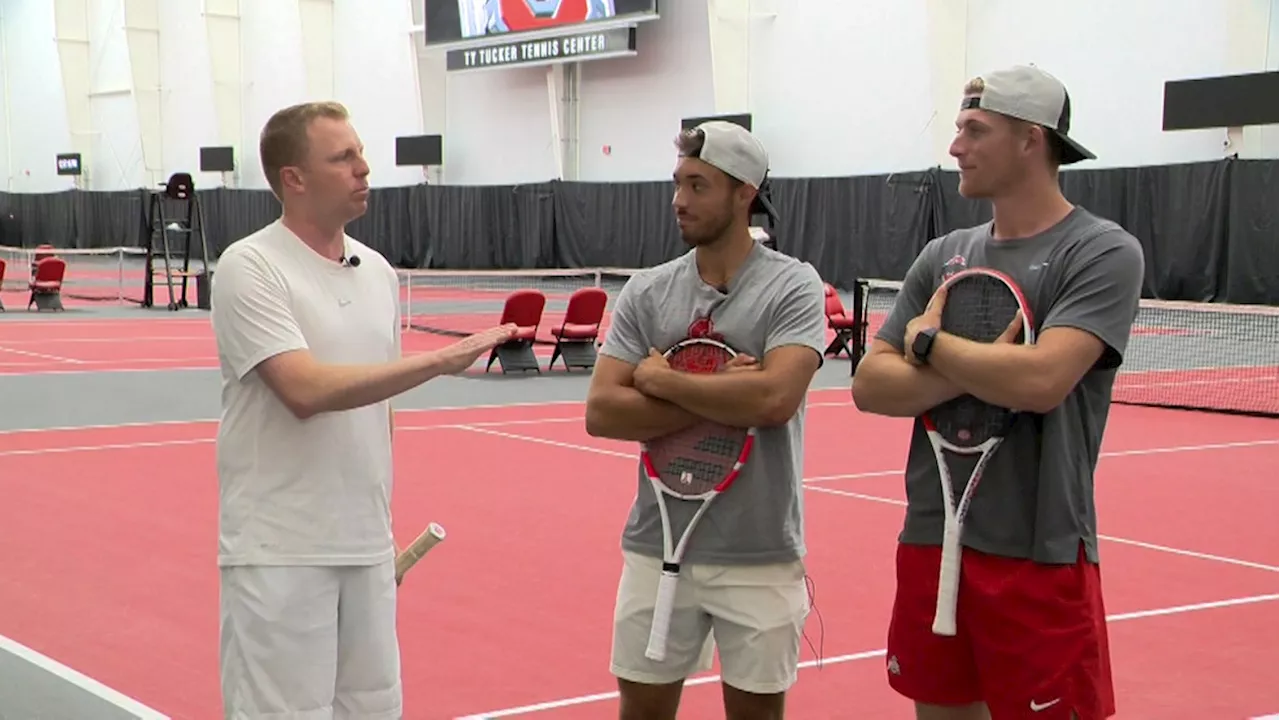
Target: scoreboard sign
[(570, 47), (68, 163)]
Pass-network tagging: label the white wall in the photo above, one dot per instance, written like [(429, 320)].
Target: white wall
[(34, 111), (836, 87), (1115, 57)]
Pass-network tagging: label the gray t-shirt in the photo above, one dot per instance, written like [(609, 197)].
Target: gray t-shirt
[(1036, 498), (773, 300)]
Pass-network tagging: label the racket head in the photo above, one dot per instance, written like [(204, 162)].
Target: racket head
[(706, 457), (980, 305)]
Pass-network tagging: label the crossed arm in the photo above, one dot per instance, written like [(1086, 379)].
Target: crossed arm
[(1035, 378), (666, 400)]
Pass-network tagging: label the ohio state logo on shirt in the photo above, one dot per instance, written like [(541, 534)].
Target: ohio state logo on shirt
[(520, 15), (703, 328), (955, 264)]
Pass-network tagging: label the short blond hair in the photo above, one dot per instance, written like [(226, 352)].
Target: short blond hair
[(974, 87), (284, 138)]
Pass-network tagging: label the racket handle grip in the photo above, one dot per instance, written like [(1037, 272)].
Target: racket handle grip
[(657, 650), (944, 618)]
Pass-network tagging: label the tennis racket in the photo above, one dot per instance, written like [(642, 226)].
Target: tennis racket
[(698, 463), (410, 556), (980, 305)]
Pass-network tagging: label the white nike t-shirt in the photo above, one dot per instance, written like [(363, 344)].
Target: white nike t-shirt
[(302, 492)]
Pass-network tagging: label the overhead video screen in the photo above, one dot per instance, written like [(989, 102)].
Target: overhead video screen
[(453, 21)]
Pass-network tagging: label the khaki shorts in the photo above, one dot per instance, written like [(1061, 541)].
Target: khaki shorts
[(755, 615)]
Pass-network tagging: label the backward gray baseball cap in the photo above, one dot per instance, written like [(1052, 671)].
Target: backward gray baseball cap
[(739, 154), (1028, 93)]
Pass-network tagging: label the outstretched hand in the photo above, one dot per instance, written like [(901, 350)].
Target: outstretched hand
[(462, 354)]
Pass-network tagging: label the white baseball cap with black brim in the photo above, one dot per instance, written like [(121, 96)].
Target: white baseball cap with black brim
[(739, 154), (1028, 93)]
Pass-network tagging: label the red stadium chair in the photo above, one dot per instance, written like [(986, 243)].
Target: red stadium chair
[(843, 325), (46, 284), (524, 309), (576, 336)]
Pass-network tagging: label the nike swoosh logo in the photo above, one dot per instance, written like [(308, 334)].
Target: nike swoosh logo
[(1037, 707)]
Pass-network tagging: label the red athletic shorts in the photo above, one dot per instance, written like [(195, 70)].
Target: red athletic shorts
[(1031, 639)]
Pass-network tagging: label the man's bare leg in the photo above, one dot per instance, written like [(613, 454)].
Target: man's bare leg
[(648, 702), (743, 705), (976, 711)]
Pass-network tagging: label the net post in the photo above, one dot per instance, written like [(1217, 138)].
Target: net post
[(858, 308), (408, 300)]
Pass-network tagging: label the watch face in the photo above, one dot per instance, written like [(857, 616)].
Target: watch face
[(920, 346)]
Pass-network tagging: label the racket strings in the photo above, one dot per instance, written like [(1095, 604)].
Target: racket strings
[(702, 359), (696, 460), (967, 421), (699, 461), (979, 308)]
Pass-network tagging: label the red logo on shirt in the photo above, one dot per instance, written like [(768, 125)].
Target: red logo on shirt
[(954, 265), (704, 328)]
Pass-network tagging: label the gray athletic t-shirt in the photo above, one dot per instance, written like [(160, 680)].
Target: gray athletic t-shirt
[(773, 300), (1036, 498)]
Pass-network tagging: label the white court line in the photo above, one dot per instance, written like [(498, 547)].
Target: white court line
[(865, 655), (1110, 538), (901, 503), (399, 413), (86, 363), (111, 446), (85, 683), (121, 340), (39, 356), (92, 371)]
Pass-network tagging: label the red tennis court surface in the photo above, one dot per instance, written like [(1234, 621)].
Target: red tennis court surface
[(110, 534)]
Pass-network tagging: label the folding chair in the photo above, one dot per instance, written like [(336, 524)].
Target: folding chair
[(524, 309), (46, 284), (841, 322), (576, 336)]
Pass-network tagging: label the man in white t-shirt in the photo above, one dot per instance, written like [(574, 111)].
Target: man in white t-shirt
[(307, 321)]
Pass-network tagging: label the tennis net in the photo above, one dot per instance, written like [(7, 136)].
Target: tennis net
[(460, 302), (116, 274), (1203, 356)]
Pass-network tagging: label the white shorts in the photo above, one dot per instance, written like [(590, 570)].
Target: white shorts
[(310, 643), (754, 613)]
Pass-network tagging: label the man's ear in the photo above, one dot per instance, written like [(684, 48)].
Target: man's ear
[(291, 178)]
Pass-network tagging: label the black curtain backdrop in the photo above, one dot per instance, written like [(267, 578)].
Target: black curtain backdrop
[(1209, 229)]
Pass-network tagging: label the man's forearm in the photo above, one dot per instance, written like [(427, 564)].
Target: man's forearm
[(886, 384), (1005, 374), (624, 413), (320, 388), (738, 399)]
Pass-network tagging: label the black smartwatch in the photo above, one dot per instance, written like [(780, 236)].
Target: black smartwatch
[(923, 343)]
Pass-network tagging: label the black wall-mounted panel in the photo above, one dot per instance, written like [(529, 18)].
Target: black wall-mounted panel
[(420, 150), (1222, 102), (741, 119), (217, 159)]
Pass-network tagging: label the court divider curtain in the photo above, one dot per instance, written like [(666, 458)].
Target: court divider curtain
[(1209, 229)]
